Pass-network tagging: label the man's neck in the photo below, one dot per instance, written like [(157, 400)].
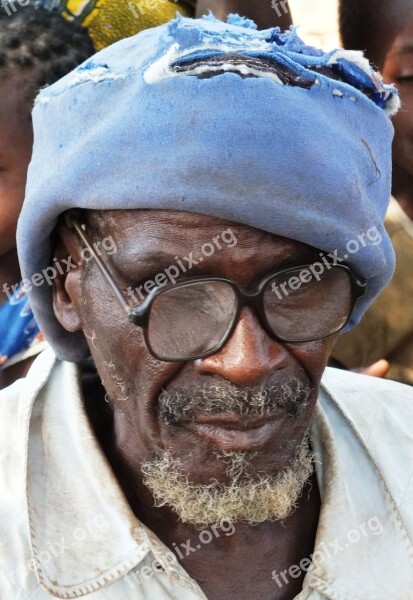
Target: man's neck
[(260, 562), (403, 189), (9, 274)]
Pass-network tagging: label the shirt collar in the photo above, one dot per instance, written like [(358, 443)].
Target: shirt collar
[(83, 533), (361, 537), (85, 536)]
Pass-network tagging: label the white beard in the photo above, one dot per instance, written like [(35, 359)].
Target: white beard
[(266, 498)]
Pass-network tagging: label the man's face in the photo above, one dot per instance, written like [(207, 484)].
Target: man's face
[(398, 69), (149, 242)]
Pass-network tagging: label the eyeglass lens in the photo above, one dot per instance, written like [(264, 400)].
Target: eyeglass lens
[(190, 320), (299, 307)]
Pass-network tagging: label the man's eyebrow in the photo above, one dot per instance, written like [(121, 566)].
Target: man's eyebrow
[(126, 261), (133, 267)]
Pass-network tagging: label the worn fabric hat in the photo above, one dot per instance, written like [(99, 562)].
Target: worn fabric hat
[(223, 120)]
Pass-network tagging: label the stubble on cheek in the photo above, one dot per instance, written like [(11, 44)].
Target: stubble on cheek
[(132, 380)]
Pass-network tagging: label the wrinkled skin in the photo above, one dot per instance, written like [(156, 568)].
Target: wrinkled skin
[(147, 243), (398, 69)]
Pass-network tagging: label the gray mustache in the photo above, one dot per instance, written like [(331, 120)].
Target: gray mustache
[(264, 400)]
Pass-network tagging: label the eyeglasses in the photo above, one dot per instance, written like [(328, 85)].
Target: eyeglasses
[(195, 318)]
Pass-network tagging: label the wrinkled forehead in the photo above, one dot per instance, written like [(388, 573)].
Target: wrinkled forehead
[(174, 224), (139, 232)]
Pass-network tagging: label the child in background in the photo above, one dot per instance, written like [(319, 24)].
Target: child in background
[(384, 31), (109, 21), (37, 47), (265, 13)]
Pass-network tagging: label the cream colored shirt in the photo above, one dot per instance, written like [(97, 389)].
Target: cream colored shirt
[(67, 531)]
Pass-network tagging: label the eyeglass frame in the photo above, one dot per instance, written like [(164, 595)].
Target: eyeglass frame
[(139, 316)]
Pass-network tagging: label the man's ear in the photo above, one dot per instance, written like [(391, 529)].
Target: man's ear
[(67, 288)]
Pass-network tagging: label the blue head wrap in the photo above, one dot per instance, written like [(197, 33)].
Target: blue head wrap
[(169, 119)]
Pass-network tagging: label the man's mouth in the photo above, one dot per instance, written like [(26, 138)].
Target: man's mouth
[(231, 433), (233, 418)]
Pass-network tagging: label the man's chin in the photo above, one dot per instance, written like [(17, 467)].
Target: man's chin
[(242, 499)]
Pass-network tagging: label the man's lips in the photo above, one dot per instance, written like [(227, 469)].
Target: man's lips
[(231, 433)]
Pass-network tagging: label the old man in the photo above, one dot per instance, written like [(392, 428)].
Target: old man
[(180, 443)]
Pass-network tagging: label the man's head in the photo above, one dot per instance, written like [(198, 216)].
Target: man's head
[(373, 25), (398, 68), (37, 47), (222, 177), (236, 416), (384, 31)]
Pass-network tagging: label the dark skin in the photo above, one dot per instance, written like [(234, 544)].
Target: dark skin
[(372, 25), (16, 140), (384, 31), (261, 11), (147, 243), (398, 69)]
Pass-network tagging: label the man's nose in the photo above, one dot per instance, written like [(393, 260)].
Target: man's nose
[(249, 356)]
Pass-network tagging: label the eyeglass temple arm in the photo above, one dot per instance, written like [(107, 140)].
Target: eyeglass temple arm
[(71, 222)]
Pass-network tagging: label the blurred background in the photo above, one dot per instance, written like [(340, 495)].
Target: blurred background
[(318, 21)]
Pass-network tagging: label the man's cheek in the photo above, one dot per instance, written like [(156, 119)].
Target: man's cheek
[(311, 358), (131, 376)]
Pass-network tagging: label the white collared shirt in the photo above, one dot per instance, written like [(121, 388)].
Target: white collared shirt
[(66, 529)]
